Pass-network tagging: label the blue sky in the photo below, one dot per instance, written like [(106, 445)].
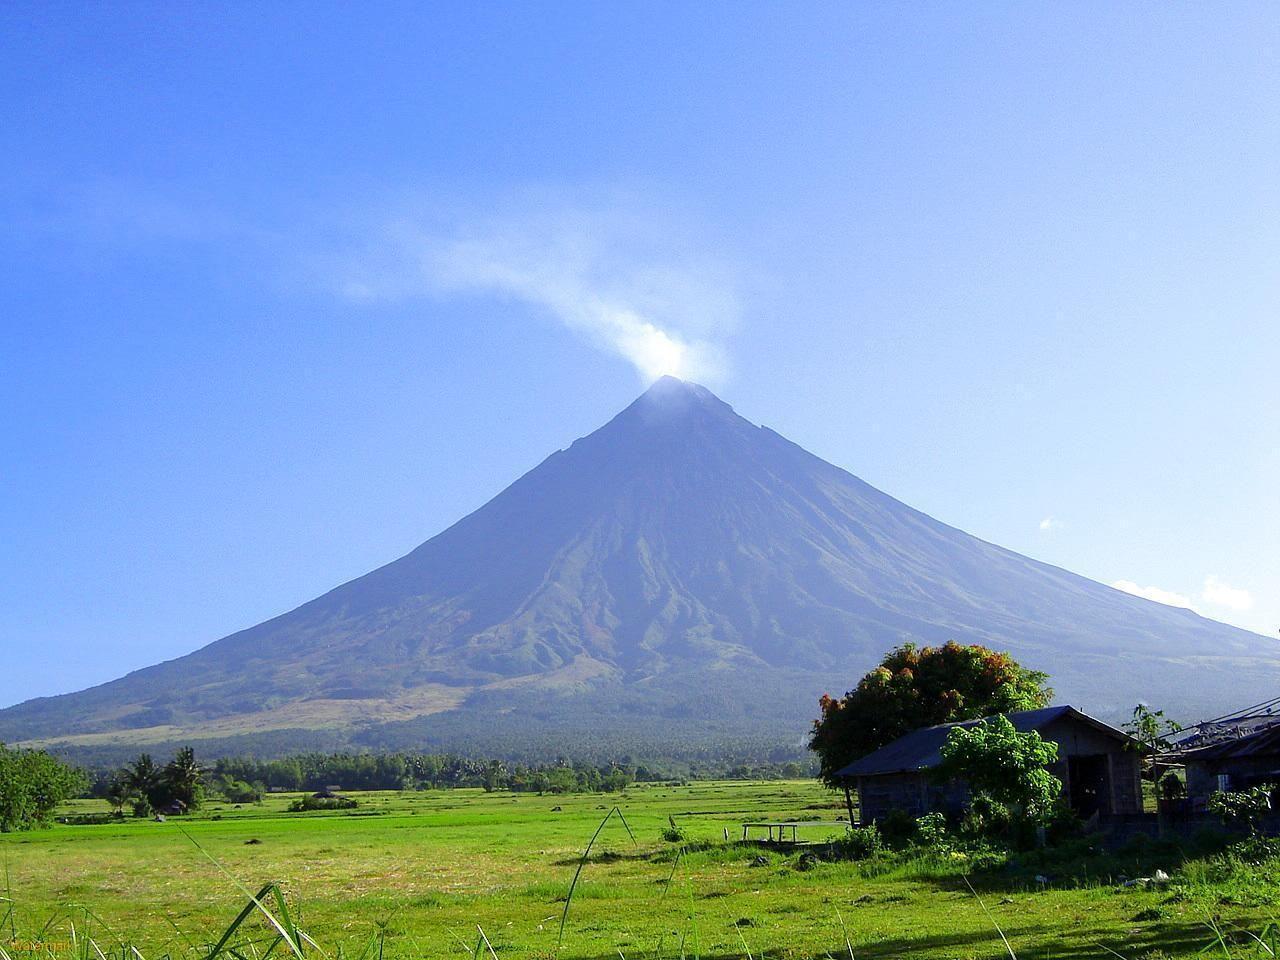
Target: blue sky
[(286, 291)]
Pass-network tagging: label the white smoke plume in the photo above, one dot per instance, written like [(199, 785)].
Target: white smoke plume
[(643, 291)]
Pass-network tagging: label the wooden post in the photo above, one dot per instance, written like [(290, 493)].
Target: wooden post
[(848, 802)]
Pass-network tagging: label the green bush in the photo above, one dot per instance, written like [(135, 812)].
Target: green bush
[(1255, 850), (304, 804), (931, 831), (237, 791), (673, 833), (1063, 825), (859, 843), (1242, 808)]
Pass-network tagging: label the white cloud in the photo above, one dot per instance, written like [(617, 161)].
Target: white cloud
[(1154, 593), (1215, 593), (1049, 524), (612, 271), (1221, 594)]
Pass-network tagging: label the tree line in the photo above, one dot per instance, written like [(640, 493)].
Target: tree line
[(147, 787), (419, 771)]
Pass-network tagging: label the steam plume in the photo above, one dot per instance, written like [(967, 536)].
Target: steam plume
[(631, 287)]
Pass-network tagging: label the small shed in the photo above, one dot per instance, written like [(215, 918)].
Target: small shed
[(1099, 767), (1231, 764)]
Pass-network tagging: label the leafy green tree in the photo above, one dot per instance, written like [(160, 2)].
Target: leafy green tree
[(917, 687), (238, 791), (495, 775), (32, 784), (1003, 767), (1152, 730)]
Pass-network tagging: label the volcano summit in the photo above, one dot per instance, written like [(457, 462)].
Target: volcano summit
[(679, 575)]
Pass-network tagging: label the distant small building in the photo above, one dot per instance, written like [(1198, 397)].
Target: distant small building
[(1232, 763), (1099, 767)]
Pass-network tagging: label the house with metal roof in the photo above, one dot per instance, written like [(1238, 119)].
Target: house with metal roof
[(1229, 763), (1099, 767)]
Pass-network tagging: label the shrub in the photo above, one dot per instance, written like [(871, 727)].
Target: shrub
[(673, 833), (859, 843), (304, 804), (931, 831), (91, 819), (1063, 825), (1242, 808), (1255, 850), (237, 791)]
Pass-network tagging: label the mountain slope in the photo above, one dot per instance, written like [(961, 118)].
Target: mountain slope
[(677, 551)]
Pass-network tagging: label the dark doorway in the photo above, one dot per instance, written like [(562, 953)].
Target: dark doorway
[(1090, 784)]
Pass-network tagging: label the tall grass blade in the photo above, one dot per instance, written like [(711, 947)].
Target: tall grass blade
[(487, 944), (255, 902), (1103, 946), (8, 899), (582, 862), (1012, 955), (1218, 939), (845, 931)]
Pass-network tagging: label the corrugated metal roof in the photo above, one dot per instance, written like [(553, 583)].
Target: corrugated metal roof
[(919, 750), (1259, 743)]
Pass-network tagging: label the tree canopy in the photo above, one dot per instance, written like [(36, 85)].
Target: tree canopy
[(917, 687), (1002, 766), (32, 783), (148, 787)]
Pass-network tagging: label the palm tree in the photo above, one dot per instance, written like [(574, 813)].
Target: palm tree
[(141, 778), (184, 778), (118, 791)]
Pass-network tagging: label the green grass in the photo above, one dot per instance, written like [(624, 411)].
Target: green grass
[(416, 874)]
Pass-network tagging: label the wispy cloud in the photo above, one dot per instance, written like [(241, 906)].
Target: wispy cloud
[(1049, 524), (1214, 593), (628, 282), (1157, 594)]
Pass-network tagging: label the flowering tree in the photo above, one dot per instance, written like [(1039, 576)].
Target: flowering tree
[(917, 687)]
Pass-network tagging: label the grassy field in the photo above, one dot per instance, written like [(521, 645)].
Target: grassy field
[(427, 868)]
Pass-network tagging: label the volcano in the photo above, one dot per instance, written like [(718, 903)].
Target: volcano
[(679, 580)]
